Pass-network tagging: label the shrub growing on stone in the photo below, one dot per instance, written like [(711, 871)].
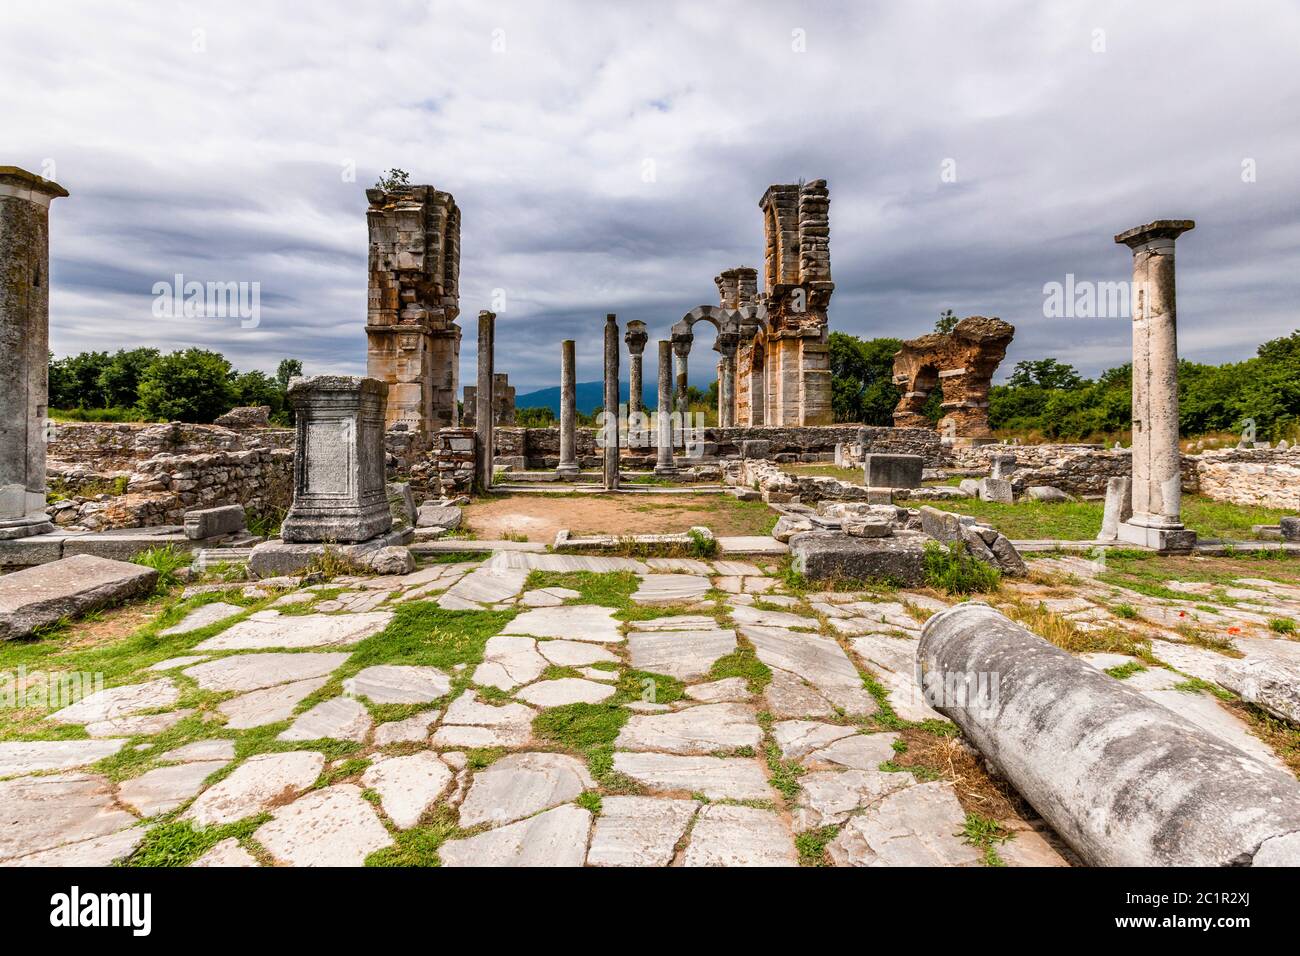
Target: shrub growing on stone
[(954, 570)]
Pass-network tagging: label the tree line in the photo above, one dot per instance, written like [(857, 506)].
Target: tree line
[(144, 384), (1045, 398)]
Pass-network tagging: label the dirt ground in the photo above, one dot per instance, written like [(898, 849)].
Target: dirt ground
[(538, 517)]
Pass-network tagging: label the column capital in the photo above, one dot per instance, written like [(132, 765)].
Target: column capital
[(636, 337), (1160, 229), (15, 181)]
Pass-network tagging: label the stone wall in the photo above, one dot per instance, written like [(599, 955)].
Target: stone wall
[(1250, 476), (455, 461)]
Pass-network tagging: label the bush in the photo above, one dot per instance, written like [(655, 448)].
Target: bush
[(190, 386), (954, 570)]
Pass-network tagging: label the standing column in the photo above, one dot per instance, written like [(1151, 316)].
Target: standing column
[(682, 348), (636, 339), (483, 417), (1157, 494), (568, 467), (664, 413), (611, 403), (727, 343), (24, 348)]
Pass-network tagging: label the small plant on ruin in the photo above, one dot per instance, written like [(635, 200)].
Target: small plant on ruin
[(702, 545), (168, 562), (1126, 611), (1282, 625), (394, 179), (986, 834), (954, 570)]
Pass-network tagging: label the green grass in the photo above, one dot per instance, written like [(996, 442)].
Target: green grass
[(166, 561), (986, 834), (1125, 671), (178, 843), (954, 570), (1282, 625), (419, 845), (742, 662), (585, 729), (1147, 573), (811, 845), (1081, 520)]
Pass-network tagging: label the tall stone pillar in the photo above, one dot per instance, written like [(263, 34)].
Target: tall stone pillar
[(636, 339), (339, 493), (727, 344), (682, 348), (1157, 494), (484, 418), (611, 403), (568, 467), (664, 412), (24, 348)]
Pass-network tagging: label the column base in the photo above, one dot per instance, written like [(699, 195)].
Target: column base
[(26, 527), (1161, 539), (665, 470), (568, 471)]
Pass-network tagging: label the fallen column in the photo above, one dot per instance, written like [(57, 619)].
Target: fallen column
[(1124, 780)]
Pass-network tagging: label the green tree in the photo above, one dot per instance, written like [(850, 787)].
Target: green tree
[(192, 386), (862, 379), (258, 388), (74, 381), (1045, 373), (120, 379), (287, 369), (540, 417)]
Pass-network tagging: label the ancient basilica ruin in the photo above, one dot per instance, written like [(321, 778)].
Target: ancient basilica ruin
[(369, 638)]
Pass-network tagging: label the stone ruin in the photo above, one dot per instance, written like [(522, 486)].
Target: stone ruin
[(774, 366), (503, 401), (963, 362), (413, 341)]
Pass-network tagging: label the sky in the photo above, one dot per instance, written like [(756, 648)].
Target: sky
[(610, 158)]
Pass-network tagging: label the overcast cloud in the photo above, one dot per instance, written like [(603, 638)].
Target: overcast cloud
[(211, 139)]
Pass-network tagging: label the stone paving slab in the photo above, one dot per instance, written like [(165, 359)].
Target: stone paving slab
[(255, 785), (227, 853), (734, 689), (140, 724), (119, 702), (254, 671), (788, 695), (97, 852), (855, 752), (41, 813), (204, 616), (520, 785), (172, 663), (470, 723), (639, 831), (565, 690), (486, 585), (578, 622), (270, 705), (671, 589), (270, 629), (509, 662), (412, 729), (798, 738), (166, 788), (726, 835), (566, 563), (718, 778), (331, 827), (339, 718), (828, 797), (557, 837), (407, 786), (915, 826), (564, 653), (34, 756), (398, 684), (893, 661), (703, 729), (818, 660), (678, 622), (202, 750), (686, 655), (744, 614)]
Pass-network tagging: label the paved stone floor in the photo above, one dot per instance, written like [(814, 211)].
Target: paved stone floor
[(537, 709)]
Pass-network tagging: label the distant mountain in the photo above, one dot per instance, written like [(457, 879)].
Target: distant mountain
[(589, 395)]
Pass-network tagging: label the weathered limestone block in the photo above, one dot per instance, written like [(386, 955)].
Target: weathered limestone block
[(339, 489), (892, 471), (963, 362), (1290, 529), (1124, 780), (830, 555), (67, 588), (996, 489), (210, 522)]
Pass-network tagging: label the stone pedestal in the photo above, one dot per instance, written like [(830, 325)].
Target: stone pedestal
[(339, 493), (611, 403), (483, 411), (663, 414), (568, 467), (1157, 479), (24, 348)]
